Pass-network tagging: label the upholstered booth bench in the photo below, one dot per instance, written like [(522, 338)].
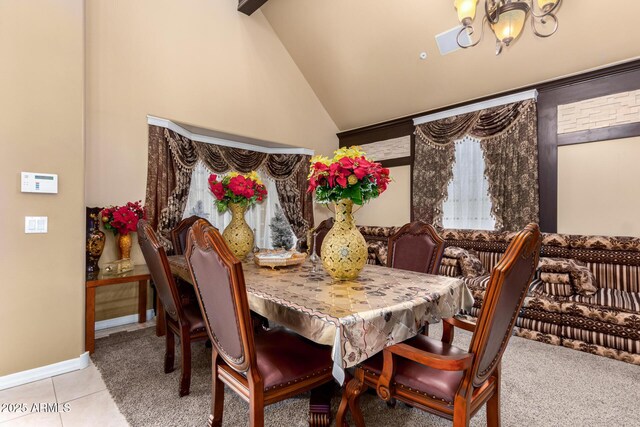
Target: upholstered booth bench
[(606, 323)]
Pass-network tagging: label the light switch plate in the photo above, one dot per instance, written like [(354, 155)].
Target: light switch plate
[(36, 224)]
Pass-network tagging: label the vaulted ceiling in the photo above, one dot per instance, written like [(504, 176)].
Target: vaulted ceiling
[(361, 57)]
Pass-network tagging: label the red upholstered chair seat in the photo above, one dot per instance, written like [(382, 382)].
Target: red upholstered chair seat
[(434, 383), (284, 358)]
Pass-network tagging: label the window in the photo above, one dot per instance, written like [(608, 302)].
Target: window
[(468, 204), (202, 203)]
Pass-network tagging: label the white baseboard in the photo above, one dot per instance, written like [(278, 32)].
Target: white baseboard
[(124, 320), (43, 372)]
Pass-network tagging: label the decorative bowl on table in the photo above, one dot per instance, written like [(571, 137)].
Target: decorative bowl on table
[(278, 258)]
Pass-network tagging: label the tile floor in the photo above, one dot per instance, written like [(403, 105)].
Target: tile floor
[(76, 399)]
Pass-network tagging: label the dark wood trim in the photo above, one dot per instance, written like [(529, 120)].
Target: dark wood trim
[(375, 133), (601, 134), (249, 6), (413, 156), (548, 163), (400, 161)]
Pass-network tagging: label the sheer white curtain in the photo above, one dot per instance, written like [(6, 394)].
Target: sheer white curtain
[(468, 204), (202, 203)]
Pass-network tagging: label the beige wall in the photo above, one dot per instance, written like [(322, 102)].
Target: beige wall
[(205, 64), (599, 188), (393, 207), (41, 130)]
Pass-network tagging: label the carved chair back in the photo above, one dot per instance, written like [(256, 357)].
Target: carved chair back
[(322, 229), (220, 289), (505, 294), (156, 259), (179, 234), (416, 247)]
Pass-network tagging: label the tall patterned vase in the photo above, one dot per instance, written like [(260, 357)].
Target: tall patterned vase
[(238, 235), (95, 240), (344, 250)]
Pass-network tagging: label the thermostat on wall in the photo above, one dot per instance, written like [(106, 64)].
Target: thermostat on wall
[(33, 182)]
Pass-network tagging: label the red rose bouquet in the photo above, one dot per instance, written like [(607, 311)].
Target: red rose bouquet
[(237, 188), (349, 175), (123, 219)]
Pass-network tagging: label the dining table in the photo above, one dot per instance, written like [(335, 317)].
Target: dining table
[(356, 318)]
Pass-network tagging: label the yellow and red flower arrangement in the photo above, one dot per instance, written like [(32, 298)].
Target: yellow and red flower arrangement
[(234, 187), (123, 219), (349, 175)]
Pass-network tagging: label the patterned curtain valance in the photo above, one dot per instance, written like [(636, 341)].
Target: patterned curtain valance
[(172, 158), (509, 143), (479, 124)]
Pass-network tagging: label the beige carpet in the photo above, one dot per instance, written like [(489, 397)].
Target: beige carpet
[(543, 385)]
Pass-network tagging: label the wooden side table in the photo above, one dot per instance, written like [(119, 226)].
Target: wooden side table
[(140, 273)]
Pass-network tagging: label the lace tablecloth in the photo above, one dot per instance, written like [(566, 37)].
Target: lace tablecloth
[(358, 318)]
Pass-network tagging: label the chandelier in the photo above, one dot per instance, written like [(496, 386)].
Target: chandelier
[(507, 18)]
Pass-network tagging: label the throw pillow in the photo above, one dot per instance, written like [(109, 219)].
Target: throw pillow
[(452, 262), (446, 269), (558, 289), (555, 277), (470, 264), (582, 279)]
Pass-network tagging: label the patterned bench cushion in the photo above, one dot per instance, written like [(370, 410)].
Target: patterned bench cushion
[(616, 276), (449, 270), (599, 338), (540, 326), (479, 282), (552, 339), (377, 252), (595, 325), (539, 287), (613, 298), (608, 315), (489, 259), (623, 356)]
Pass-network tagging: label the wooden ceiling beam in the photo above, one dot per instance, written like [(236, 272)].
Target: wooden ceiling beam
[(249, 6)]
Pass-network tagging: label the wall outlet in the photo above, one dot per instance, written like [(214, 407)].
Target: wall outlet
[(36, 224)]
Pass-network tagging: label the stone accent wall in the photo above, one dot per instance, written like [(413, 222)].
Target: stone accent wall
[(610, 110), (388, 149)]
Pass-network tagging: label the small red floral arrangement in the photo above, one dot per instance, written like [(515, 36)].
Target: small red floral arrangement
[(349, 175), (123, 219), (237, 188)]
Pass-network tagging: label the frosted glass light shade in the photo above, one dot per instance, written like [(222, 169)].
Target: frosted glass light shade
[(466, 10), (509, 26), (546, 3)]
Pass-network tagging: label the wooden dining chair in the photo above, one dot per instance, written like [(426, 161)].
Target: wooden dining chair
[(181, 313), (321, 232), (438, 377), (179, 234), (416, 247), (262, 366)]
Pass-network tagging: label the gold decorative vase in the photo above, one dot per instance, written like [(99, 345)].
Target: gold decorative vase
[(238, 235), (344, 250), (124, 243)]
